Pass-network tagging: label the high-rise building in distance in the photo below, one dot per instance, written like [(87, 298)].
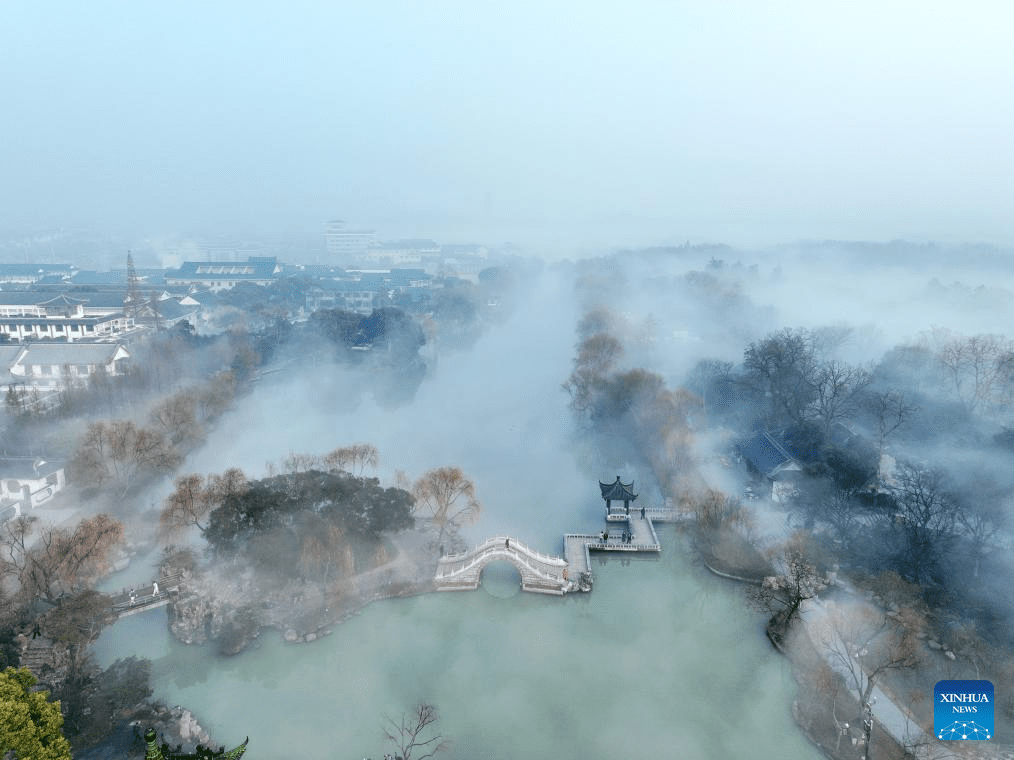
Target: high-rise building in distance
[(343, 243)]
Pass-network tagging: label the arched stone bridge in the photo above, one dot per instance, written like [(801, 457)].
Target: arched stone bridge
[(541, 573)]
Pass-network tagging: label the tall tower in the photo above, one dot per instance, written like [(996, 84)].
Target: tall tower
[(133, 304)]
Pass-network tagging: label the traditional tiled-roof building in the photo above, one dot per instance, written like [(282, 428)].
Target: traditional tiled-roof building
[(52, 366), (220, 275)]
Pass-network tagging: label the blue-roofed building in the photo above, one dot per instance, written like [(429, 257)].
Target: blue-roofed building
[(767, 455), (221, 275), (146, 277), (363, 290), (26, 274), (403, 252), (780, 457)]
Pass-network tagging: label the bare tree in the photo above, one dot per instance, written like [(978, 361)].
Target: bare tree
[(89, 463), (835, 505), (120, 452), (981, 514), (891, 413), (176, 417), (216, 396), (597, 320), (967, 642), (49, 561), (186, 506), (828, 339), (77, 622), (194, 498), (300, 462), (925, 520), (414, 733), (784, 594), (352, 459), (707, 376), (447, 497), (714, 510), (837, 390), (781, 367), (977, 366), (863, 644)]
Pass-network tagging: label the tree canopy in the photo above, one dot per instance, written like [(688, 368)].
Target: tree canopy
[(357, 507), (30, 725)]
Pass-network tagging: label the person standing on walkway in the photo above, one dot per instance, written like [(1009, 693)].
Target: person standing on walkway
[(507, 544), (642, 513), (155, 590)]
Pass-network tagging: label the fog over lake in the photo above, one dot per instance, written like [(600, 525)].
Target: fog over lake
[(549, 245), (660, 657)]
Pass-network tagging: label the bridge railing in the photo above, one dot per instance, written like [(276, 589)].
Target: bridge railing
[(166, 582), (447, 570), (539, 564), (496, 541)]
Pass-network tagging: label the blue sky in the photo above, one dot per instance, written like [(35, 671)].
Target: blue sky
[(558, 124)]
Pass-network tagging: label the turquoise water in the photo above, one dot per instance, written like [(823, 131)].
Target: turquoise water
[(660, 660)]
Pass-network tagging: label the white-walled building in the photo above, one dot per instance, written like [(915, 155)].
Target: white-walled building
[(345, 244), (27, 482), (54, 366)]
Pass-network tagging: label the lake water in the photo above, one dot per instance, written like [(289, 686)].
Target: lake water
[(661, 660)]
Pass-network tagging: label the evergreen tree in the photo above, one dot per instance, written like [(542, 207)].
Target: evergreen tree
[(29, 722)]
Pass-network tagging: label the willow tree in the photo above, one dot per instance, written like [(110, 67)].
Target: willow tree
[(352, 459), (49, 561), (121, 453), (194, 498), (597, 357), (447, 497)]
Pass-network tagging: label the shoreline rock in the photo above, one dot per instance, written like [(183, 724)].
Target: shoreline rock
[(232, 612)]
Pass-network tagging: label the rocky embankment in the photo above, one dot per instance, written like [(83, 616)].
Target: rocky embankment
[(176, 726), (231, 605), (50, 662)]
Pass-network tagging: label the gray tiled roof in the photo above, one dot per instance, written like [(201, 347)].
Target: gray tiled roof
[(27, 468), (8, 355), (765, 452), (252, 269), (70, 353)]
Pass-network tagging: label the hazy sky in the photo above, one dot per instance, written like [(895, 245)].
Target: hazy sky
[(567, 124)]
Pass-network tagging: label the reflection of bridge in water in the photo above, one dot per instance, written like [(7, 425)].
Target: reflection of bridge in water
[(545, 574), (136, 599)]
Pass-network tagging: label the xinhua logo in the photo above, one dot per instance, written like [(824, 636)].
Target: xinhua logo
[(963, 710)]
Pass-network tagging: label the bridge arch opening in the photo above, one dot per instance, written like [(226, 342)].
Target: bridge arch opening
[(501, 579)]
